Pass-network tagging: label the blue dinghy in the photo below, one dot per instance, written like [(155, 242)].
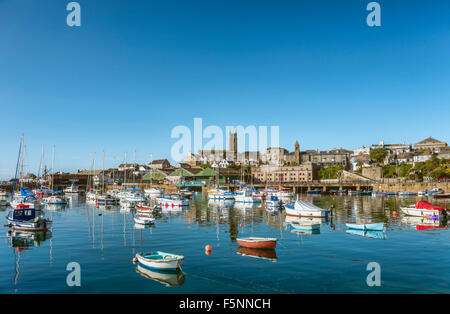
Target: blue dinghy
[(366, 226)]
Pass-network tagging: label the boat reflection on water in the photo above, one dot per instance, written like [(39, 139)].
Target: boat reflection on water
[(170, 278), (22, 240), (246, 206), (55, 207), (269, 254), (313, 231), (142, 226), (220, 203), (367, 233)]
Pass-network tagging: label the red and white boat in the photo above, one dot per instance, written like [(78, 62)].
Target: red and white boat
[(144, 208), (424, 209), (258, 243)]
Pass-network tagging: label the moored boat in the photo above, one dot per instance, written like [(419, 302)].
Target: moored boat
[(257, 243), (25, 219), (305, 209), (424, 208), (377, 226), (172, 201), (159, 260)]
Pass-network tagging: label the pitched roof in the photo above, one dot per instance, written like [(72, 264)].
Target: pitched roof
[(159, 161), (429, 140), (157, 175), (181, 172), (207, 172)]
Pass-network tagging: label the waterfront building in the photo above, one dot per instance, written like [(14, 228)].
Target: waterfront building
[(278, 174), (325, 158), (159, 164)]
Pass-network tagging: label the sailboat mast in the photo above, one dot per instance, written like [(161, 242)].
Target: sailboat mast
[(103, 171), (17, 165), (53, 165), (125, 173)]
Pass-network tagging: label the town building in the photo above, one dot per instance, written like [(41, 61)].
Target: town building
[(278, 174), (430, 144)]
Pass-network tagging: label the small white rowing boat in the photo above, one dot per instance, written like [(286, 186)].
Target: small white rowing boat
[(159, 260)]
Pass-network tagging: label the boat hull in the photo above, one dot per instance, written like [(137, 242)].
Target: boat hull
[(172, 264), (366, 226), (255, 243)]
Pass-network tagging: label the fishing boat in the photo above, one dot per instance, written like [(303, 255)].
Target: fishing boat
[(153, 192), (257, 243), (366, 226), (25, 219), (159, 260), (424, 208), (72, 189), (305, 209), (143, 220), (246, 196), (274, 202), (55, 199), (220, 194), (172, 201)]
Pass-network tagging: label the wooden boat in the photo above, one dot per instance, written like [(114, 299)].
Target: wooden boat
[(159, 260), (258, 243), (305, 209), (143, 220), (377, 226)]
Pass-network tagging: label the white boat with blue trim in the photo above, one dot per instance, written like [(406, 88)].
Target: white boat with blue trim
[(159, 260)]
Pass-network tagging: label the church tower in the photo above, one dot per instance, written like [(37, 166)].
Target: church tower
[(297, 153), (232, 145)]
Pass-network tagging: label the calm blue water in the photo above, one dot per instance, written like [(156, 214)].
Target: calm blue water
[(331, 261)]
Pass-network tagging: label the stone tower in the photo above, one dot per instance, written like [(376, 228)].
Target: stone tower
[(297, 153), (232, 145)]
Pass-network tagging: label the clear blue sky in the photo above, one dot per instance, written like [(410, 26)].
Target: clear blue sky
[(136, 69)]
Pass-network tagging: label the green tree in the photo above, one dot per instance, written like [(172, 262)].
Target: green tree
[(378, 154)]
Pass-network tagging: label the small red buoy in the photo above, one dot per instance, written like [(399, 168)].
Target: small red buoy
[(208, 248), (241, 225), (394, 214), (207, 252)]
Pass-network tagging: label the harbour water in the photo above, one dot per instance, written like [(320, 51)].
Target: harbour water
[(412, 259)]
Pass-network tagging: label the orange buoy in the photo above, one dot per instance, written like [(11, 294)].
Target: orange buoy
[(207, 252), (241, 225), (208, 248), (394, 214)]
